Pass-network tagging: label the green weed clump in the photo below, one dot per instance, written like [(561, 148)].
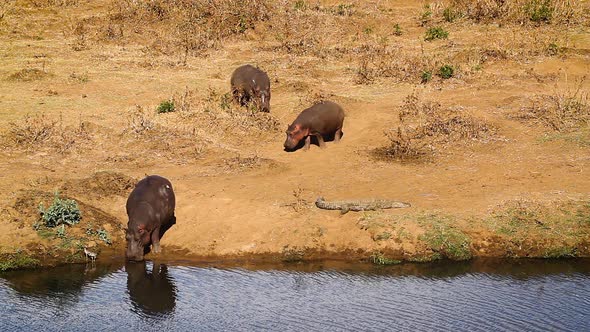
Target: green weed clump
[(18, 260), (446, 71), (436, 33), (450, 14), (61, 212), (539, 10), (397, 30), (166, 106), (426, 76), (380, 259), (445, 239), (104, 236)]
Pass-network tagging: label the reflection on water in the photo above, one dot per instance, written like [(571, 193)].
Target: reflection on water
[(328, 296), (151, 292)]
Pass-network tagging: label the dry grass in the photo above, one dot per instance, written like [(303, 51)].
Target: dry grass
[(424, 127), (40, 131), (563, 111), (28, 75), (186, 27), (564, 226), (561, 12)]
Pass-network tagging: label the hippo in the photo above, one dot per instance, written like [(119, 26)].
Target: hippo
[(150, 208), (250, 84), (322, 120)]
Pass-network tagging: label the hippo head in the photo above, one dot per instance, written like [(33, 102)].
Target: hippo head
[(138, 237), (295, 133), (262, 97)]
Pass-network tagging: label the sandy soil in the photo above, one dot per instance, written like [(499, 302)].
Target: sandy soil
[(238, 193)]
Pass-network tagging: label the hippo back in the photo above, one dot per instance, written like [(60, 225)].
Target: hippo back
[(247, 76), (323, 117), (156, 192)]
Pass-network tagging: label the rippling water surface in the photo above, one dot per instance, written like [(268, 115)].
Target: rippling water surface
[(476, 296)]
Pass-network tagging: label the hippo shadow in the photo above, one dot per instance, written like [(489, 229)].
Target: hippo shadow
[(313, 141), (153, 293)]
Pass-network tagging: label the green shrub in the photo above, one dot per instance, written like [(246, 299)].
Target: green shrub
[(539, 10), (62, 211), (166, 106), (446, 71), (426, 76), (300, 5), (397, 30), (61, 231), (450, 14), (427, 14), (552, 49), (104, 236), (436, 33)]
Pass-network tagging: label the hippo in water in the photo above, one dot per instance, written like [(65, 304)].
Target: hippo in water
[(250, 84), (322, 120), (150, 208)]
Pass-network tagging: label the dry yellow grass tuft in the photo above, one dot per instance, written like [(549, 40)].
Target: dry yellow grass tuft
[(560, 12), (40, 131), (563, 111), (424, 127)]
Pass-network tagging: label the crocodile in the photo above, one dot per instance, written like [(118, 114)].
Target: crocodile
[(359, 205)]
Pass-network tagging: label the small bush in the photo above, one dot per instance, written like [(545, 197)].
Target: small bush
[(552, 49), (446, 71), (397, 30), (424, 126), (426, 76), (426, 14), (344, 9), (104, 236), (563, 111), (62, 211), (539, 10), (32, 130), (28, 75), (300, 5), (165, 106), (436, 33), (450, 14)]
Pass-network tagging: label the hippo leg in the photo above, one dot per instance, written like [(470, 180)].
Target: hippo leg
[(156, 240), (307, 142), (337, 135), (321, 141), (236, 95)]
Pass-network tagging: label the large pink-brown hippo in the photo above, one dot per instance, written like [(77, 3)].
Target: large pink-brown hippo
[(323, 120)]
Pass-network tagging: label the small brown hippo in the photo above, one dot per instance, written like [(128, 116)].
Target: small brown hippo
[(150, 208), (322, 120), (250, 84)]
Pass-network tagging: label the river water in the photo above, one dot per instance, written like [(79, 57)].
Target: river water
[(524, 295)]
